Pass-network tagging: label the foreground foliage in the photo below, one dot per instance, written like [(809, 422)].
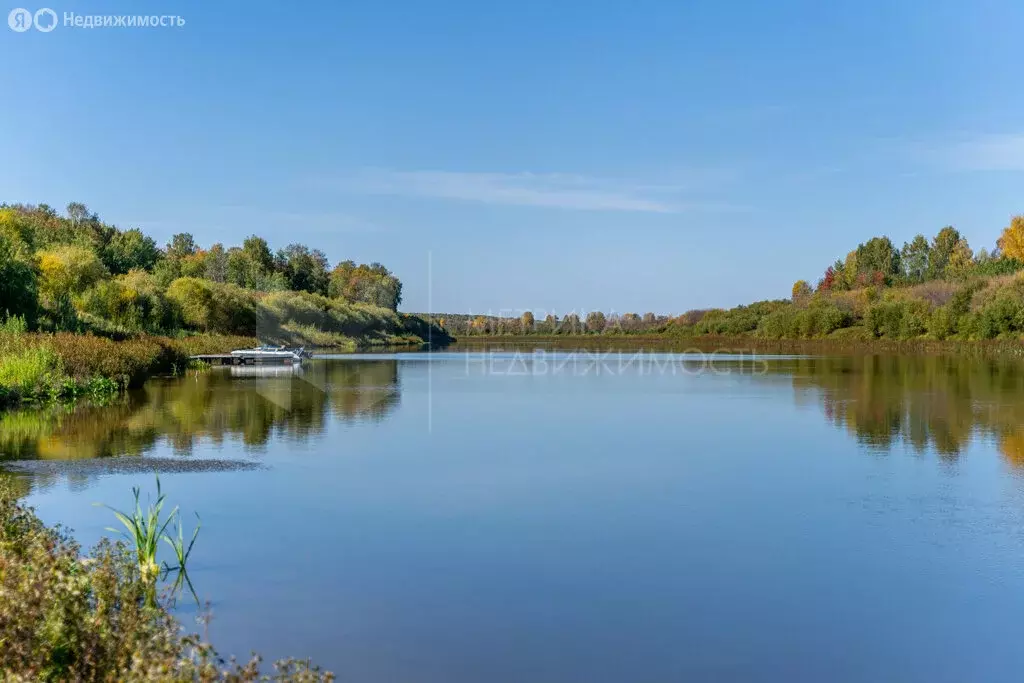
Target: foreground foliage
[(68, 617)]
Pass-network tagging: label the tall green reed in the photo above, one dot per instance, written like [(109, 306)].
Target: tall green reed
[(145, 528)]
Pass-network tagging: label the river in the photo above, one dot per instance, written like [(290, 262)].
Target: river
[(557, 516)]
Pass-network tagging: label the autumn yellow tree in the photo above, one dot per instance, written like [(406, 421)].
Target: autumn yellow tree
[(479, 325), (68, 270), (1011, 242), (527, 321), (801, 291)]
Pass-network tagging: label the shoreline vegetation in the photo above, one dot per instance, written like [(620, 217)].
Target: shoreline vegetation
[(936, 296), (89, 309), (69, 616)]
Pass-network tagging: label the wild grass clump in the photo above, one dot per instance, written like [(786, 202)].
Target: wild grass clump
[(129, 362), (34, 371), (39, 366), (69, 617)]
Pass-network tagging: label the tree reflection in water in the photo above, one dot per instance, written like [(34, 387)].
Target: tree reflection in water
[(924, 401), (250, 406), (937, 403)]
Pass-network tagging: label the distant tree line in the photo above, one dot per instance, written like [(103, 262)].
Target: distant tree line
[(527, 323), (937, 288), (947, 256), (928, 289)]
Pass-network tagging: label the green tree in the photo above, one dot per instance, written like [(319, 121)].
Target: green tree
[(942, 248), (77, 213), (217, 264), (877, 255), (850, 271), (596, 321), (181, 245), (252, 266), (18, 293), (258, 252), (961, 261), (571, 324), (130, 250), (914, 258), (304, 269)]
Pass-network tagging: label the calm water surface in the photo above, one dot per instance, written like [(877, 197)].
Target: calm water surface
[(499, 517)]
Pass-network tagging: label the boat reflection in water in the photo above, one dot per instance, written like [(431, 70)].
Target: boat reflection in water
[(245, 371)]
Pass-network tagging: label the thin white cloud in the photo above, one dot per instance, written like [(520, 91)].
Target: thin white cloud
[(992, 152), (552, 190)]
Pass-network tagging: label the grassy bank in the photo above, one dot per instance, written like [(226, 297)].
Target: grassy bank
[(43, 367), (36, 366), (65, 616)]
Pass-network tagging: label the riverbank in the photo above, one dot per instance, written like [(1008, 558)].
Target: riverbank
[(990, 348), (39, 367), (69, 616)]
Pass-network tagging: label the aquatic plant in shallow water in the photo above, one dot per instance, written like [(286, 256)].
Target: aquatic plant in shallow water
[(69, 617), (146, 528)]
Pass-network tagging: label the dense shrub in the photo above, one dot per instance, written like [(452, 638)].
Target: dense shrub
[(1001, 266), (898, 319), (216, 307), (943, 323), (739, 320), (1001, 315), (781, 324), (851, 333), (134, 302), (818, 320)]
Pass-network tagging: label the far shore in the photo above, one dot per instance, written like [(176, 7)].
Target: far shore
[(989, 348)]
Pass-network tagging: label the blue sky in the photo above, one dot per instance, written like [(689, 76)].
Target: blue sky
[(637, 156)]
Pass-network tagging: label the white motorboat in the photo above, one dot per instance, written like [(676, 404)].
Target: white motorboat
[(270, 354)]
